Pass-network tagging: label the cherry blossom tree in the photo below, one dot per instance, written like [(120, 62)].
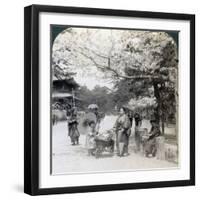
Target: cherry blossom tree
[(124, 55)]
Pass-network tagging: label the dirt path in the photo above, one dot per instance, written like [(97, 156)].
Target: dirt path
[(74, 159)]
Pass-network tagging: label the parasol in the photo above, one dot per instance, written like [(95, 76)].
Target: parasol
[(93, 106)]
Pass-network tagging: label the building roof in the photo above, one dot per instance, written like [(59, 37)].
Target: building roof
[(65, 83), (60, 95)]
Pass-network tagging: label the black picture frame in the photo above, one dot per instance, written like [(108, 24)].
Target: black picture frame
[(31, 98)]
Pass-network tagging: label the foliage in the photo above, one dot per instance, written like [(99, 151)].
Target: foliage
[(139, 63), (99, 95)]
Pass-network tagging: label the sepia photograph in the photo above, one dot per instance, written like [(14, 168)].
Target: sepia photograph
[(114, 100)]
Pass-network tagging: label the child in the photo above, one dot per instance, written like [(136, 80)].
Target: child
[(90, 138)]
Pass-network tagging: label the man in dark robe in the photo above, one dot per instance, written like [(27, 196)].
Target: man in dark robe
[(150, 146)]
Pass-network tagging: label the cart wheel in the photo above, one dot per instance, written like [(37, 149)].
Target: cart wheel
[(97, 153), (112, 149)]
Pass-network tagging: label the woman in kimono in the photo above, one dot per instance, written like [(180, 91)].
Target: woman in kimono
[(73, 128), (123, 129)]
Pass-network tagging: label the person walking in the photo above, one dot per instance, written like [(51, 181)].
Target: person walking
[(130, 116), (73, 131)]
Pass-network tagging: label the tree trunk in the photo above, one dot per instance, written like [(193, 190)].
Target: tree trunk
[(163, 125), (157, 108), (158, 114)]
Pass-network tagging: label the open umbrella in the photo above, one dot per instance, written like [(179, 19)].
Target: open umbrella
[(93, 106)]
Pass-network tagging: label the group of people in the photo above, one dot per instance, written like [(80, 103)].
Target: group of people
[(122, 130)]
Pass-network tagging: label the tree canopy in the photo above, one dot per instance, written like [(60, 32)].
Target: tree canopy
[(139, 63)]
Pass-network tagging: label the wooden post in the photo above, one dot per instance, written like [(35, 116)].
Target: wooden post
[(73, 98)]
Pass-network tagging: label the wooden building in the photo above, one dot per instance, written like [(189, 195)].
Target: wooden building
[(63, 93)]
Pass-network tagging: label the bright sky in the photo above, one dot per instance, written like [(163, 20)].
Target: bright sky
[(91, 78)]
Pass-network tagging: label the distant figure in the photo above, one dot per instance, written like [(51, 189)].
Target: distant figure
[(73, 128), (54, 119), (150, 146), (130, 116), (122, 128), (90, 139), (138, 119)]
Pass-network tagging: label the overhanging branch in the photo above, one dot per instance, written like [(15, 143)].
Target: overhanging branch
[(114, 71)]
